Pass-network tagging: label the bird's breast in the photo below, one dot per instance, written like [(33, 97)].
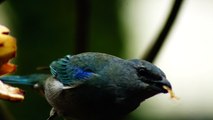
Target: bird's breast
[(52, 90)]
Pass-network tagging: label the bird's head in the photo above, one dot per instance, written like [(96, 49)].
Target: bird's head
[(152, 78)]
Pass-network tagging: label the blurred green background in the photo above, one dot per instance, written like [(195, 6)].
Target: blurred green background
[(46, 30)]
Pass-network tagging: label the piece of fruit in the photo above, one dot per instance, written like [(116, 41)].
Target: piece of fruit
[(7, 51)]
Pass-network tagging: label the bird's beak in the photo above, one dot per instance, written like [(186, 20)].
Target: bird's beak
[(167, 84), (160, 85)]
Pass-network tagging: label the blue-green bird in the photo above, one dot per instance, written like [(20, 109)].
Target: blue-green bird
[(96, 86)]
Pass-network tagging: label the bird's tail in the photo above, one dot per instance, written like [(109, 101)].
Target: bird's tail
[(24, 80)]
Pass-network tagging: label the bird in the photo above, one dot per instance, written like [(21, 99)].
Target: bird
[(95, 86)]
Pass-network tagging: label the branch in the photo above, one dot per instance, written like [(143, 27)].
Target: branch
[(1, 1), (152, 53), (82, 24)]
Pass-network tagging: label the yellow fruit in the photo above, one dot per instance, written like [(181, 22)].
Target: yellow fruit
[(7, 51)]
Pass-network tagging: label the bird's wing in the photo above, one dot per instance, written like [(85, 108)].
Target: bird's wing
[(69, 74)]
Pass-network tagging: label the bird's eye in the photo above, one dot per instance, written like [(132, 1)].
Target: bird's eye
[(141, 70), (144, 72)]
